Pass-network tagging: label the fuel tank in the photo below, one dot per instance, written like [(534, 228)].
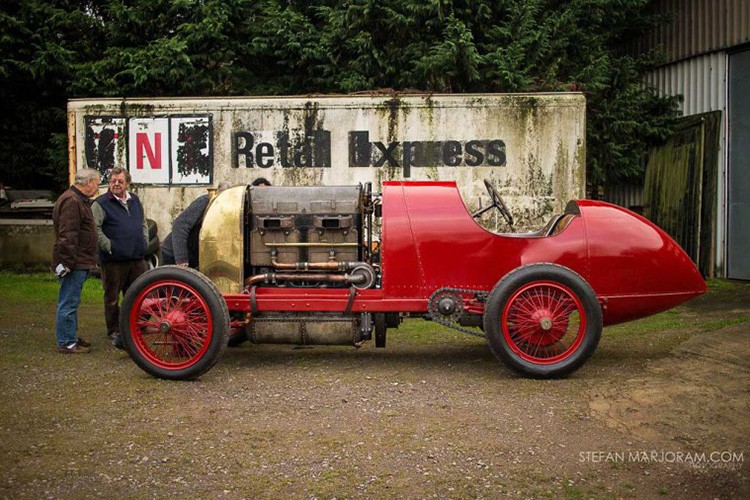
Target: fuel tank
[(306, 329)]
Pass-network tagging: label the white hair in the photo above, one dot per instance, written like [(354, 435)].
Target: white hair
[(84, 175)]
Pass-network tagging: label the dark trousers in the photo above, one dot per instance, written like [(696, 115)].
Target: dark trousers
[(116, 278)]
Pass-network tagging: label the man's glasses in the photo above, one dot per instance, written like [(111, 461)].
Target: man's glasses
[(116, 181)]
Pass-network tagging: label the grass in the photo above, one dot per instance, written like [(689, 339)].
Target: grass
[(719, 285), (43, 288), (721, 297), (420, 331), (664, 321), (722, 323)]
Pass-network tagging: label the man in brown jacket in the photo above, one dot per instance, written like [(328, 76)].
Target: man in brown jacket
[(74, 254)]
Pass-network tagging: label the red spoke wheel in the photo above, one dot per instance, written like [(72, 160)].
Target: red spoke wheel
[(174, 322), (543, 320)]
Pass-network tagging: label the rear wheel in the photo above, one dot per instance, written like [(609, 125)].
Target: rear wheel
[(543, 320), (174, 322)]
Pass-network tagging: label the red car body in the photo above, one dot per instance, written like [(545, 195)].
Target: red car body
[(429, 240), (541, 297)]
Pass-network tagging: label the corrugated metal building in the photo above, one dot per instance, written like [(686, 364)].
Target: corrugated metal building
[(708, 62)]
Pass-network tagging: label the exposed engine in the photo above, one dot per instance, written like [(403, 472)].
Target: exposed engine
[(310, 238)]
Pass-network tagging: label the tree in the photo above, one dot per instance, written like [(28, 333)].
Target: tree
[(489, 46), (266, 47), (41, 43)]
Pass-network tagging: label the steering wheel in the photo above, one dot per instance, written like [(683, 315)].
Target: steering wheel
[(496, 202)]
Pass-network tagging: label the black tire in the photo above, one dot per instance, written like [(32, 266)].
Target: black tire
[(174, 323), (153, 246), (152, 261), (543, 320), (152, 228)]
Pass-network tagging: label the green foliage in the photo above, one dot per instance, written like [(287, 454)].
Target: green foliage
[(54, 50), (40, 45)]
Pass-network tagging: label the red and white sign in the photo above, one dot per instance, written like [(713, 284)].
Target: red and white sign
[(148, 150)]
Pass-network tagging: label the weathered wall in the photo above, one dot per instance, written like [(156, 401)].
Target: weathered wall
[(532, 146), (26, 243)]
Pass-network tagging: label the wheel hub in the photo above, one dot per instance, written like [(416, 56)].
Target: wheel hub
[(543, 318), (165, 327), (545, 323)]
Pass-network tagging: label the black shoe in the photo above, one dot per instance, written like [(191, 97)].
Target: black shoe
[(117, 341), (83, 343)]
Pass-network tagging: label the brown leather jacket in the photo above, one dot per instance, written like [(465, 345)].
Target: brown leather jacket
[(75, 231)]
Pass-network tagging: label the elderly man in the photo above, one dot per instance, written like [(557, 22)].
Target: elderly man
[(181, 245), (73, 255), (122, 239)]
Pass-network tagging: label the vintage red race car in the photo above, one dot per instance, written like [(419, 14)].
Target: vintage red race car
[(341, 265)]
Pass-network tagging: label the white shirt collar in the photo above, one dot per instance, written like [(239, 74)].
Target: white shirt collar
[(126, 200)]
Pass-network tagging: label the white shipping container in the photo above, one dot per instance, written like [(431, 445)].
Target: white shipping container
[(531, 146)]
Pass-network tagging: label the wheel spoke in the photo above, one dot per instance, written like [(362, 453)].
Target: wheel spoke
[(171, 324), (542, 322)]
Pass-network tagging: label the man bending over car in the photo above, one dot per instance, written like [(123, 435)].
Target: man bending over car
[(181, 245)]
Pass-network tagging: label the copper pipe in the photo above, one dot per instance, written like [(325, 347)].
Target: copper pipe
[(304, 244), (307, 266), (274, 277), (255, 279)]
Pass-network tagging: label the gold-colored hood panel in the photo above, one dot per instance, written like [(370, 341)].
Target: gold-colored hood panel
[(221, 240)]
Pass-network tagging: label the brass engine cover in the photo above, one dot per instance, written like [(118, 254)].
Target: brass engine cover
[(221, 240)]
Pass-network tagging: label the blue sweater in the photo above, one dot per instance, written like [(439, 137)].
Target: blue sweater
[(124, 228)]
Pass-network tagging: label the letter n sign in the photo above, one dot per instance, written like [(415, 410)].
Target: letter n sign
[(148, 144)]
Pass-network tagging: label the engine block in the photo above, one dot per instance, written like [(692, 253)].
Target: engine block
[(300, 225)]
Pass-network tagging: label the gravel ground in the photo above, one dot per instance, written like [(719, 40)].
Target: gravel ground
[(433, 415)]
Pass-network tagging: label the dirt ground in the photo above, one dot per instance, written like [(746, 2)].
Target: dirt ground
[(661, 409)]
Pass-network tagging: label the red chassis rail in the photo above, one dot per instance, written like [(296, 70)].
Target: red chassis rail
[(326, 300)]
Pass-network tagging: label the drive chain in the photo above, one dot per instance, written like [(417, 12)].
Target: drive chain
[(434, 313)]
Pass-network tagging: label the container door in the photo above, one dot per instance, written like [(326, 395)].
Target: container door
[(738, 172)]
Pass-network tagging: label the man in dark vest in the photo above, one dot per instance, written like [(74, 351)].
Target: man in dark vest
[(122, 235)]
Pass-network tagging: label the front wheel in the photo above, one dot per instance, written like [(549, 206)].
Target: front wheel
[(543, 320), (174, 323)]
